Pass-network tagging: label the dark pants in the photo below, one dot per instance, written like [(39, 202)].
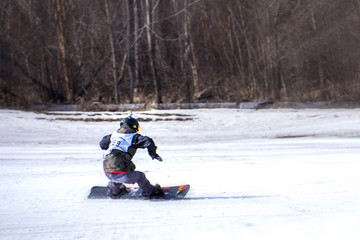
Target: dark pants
[(117, 179)]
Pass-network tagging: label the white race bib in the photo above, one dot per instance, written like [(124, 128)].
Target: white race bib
[(120, 141)]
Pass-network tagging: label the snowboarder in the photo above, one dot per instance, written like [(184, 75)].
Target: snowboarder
[(120, 148)]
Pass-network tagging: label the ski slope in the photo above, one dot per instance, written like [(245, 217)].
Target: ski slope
[(254, 174)]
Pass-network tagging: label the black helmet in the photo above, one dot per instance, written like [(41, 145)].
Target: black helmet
[(131, 123)]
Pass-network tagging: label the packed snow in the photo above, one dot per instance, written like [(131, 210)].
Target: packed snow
[(254, 174)]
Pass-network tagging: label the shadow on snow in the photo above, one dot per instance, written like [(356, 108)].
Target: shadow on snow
[(225, 197)]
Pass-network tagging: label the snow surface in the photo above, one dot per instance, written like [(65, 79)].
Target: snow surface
[(254, 174)]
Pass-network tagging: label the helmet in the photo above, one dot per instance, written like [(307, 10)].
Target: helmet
[(131, 123)]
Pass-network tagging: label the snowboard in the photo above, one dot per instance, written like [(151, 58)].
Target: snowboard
[(170, 193)]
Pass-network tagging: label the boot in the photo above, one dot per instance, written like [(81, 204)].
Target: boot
[(157, 192), (121, 193)]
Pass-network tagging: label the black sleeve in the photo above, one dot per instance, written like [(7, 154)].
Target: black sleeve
[(145, 142), (105, 142)]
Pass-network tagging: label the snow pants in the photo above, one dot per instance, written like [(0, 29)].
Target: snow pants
[(117, 179)]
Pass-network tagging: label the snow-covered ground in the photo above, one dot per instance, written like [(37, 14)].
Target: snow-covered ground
[(254, 174)]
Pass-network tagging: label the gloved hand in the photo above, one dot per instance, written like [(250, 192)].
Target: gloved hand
[(158, 158)]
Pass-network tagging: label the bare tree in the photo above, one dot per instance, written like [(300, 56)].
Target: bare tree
[(152, 51), (113, 55), (60, 18)]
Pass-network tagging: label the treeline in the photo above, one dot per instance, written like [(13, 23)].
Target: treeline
[(177, 51)]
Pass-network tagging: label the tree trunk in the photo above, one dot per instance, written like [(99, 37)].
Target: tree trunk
[(59, 16), (136, 53), (130, 40), (152, 53), (186, 57), (113, 56), (318, 55), (193, 63)]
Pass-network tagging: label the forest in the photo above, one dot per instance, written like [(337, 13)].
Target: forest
[(178, 51)]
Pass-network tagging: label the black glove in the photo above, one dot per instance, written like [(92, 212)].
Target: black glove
[(158, 158)]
